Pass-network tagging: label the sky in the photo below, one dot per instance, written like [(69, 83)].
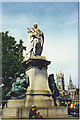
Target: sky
[(59, 23)]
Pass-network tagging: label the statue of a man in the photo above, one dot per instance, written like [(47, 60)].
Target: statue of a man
[(36, 37)]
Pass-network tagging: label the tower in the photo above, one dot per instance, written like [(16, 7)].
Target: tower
[(71, 89), (60, 82), (70, 86)]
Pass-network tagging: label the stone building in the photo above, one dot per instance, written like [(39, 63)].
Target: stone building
[(60, 83), (72, 90)]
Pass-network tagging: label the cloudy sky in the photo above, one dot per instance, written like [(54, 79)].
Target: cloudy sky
[(59, 23)]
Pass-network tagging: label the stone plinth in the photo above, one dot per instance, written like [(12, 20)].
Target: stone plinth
[(15, 103), (13, 108), (10, 113), (38, 92), (23, 112), (54, 112)]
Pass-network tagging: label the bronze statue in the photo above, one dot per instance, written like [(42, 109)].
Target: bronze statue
[(19, 87), (53, 88)]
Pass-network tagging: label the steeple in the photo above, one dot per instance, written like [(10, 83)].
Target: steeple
[(70, 86), (71, 89), (70, 78), (70, 81)]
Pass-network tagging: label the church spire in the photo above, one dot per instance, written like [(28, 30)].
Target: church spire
[(70, 81), (70, 78), (70, 86)]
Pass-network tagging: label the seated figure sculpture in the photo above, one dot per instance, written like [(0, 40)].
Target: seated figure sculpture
[(53, 88), (36, 40), (19, 87)]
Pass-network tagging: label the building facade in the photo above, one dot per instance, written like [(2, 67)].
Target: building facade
[(72, 90), (60, 83)]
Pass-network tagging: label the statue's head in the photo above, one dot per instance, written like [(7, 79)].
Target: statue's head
[(21, 75), (33, 108), (51, 75), (35, 25)]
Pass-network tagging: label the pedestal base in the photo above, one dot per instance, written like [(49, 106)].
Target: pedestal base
[(38, 92), (15, 103), (45, 102), (10, 113), (23, 112)]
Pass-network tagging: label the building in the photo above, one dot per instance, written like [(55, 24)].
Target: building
[(72, 90), (64, 96), (60, 83)]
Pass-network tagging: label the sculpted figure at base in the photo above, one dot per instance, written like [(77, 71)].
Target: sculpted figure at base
[(19, 87), (53, 88), (36, 38)]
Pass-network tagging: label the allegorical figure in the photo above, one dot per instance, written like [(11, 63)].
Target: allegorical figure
[(19, 87), (53, 88), (36, 41)]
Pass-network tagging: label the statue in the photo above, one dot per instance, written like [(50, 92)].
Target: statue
[(36, 38), (53, 88), (19, 87)]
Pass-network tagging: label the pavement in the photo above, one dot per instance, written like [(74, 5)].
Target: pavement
[(74, 116)]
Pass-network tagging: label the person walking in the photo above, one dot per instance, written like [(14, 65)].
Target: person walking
[(68, 106)]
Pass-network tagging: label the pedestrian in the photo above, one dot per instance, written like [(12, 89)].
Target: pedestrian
[(38, 115), (32, 112), (77, 107), (74, 108), (68, 106)]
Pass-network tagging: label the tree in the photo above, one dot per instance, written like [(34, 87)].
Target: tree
[(12, 56)]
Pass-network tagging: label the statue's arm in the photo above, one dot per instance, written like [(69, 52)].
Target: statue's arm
[(30, 30)]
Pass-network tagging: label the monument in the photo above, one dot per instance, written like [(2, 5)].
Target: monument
[(38, 93)]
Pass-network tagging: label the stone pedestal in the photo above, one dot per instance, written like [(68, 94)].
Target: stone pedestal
[(38, 92), (59, 112), (54, 112), (13, 109), (10, 113), (16, 103)]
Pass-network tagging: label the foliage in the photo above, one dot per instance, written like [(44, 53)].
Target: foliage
[(12, 56)]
